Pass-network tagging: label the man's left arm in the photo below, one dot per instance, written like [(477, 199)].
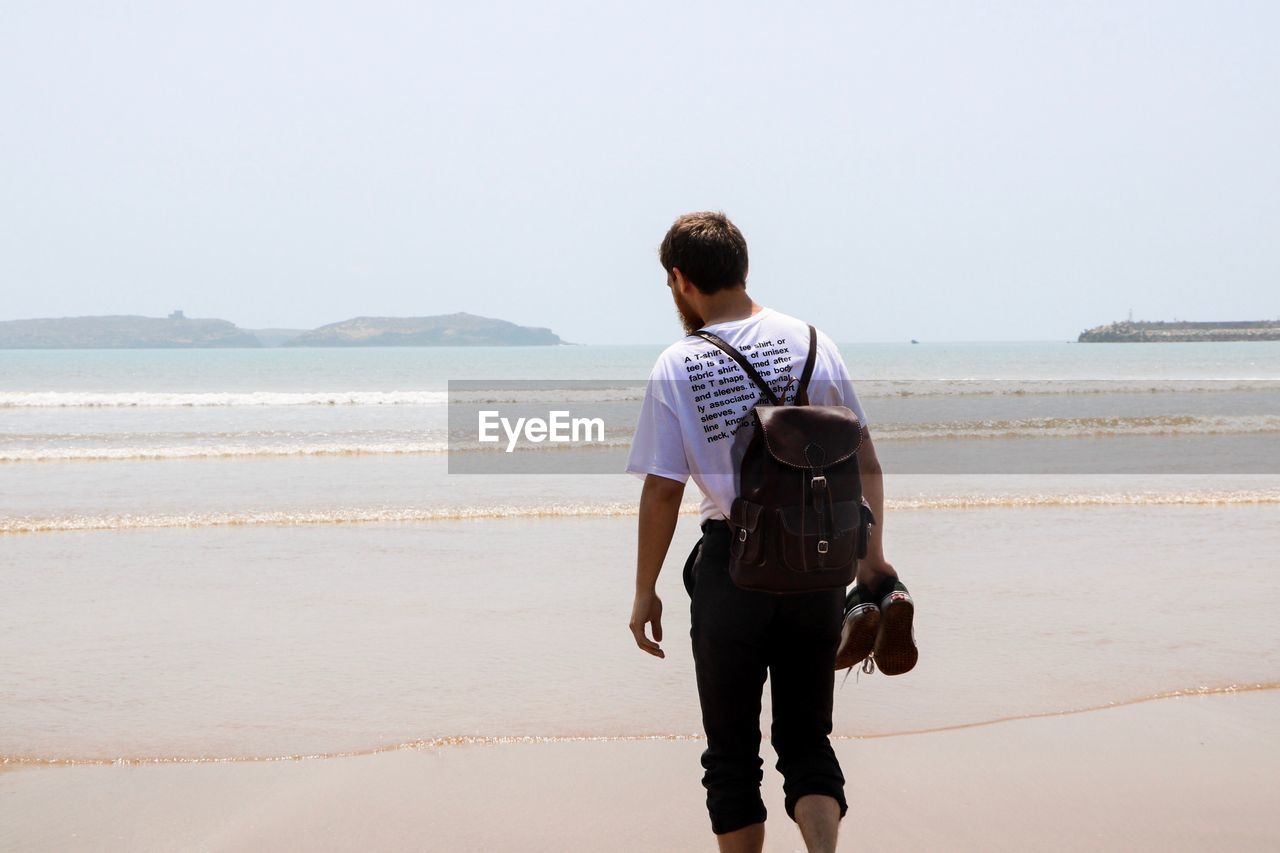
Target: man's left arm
[(873, 568)]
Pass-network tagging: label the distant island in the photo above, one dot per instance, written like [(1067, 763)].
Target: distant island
[(443, 330), (1131, 331), (177, 331)]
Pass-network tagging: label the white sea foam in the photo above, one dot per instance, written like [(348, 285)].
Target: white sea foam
[(606, 391), (180, 399), (603, 509), (69, 447), (1084, 427), (222, 451), (173, 399), (911, 388)]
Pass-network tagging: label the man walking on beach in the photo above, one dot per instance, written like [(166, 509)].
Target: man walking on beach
[(694, 404)]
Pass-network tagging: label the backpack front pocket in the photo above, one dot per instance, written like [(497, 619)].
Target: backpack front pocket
[(808, 544)]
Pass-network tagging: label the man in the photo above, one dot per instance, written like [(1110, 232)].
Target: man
[(691, 426)]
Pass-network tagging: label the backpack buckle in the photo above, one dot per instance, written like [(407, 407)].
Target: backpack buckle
[(819, 482), (822, 546), (742, 534)]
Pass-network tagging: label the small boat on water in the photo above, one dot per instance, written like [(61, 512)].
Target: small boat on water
[(914, 341)]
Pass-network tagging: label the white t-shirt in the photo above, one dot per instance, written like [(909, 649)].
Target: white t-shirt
[(698, 398)]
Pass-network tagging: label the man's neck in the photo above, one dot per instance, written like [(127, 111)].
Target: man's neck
[(727, 306)]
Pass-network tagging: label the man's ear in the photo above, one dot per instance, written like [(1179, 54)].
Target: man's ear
[(682, 284)]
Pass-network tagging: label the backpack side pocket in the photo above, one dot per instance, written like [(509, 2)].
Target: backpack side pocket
[(748, 537)]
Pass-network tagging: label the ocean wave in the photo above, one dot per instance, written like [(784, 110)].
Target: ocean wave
[(912, 388), (630, 392), (604, 509), (1086, 427), (1086, 499), (201, 399), (71, 447), (177, 399), (291, 518), (126, 453), (447, 741), (604, 391), (155, 452)]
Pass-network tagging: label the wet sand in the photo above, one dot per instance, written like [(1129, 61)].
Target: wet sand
[(1189, 773), (284, 641)]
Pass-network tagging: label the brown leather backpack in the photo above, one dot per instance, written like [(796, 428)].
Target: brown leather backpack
[(799, 522)]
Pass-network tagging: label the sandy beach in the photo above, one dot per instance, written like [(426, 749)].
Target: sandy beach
[(301, 649), (1190, 773), (981, 748)]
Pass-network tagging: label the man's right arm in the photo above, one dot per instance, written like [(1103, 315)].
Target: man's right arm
[(657, 454), (659, 510)]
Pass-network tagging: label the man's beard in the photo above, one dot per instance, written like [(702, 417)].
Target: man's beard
[(688, 317)]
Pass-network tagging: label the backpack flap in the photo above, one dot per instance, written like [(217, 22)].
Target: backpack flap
[(809, 436), (819, 523)]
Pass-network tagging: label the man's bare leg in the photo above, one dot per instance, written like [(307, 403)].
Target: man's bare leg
[(819, 819), (749, 839)]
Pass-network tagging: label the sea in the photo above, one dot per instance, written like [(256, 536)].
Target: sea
[(269, 554)]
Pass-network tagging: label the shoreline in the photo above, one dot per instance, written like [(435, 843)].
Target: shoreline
[(440, 742), (1179, 775), (609, 509)]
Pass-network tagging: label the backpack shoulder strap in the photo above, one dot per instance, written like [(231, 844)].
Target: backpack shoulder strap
[(743, 362), (802, 393)]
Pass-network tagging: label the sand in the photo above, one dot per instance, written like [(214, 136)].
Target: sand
[(1189, 773)]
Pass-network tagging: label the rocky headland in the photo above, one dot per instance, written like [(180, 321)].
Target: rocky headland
[(443, 330), (178, 331), (123, 332), (1130, 331)]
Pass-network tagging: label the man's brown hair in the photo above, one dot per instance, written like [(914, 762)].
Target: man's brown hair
[(708, 249)]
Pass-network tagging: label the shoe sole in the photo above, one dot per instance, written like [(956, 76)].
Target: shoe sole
[(895, 646), (857, 638)]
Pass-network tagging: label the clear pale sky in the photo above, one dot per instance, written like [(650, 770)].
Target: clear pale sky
[(945, 171)]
